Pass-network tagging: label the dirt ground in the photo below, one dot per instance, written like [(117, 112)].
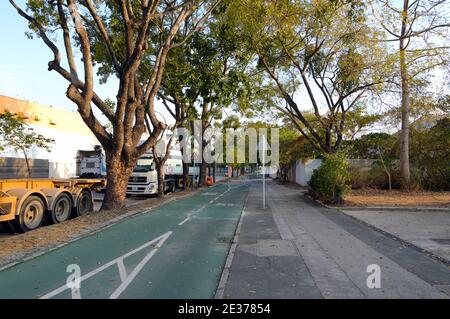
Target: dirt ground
[(376, 197), (16, 247)]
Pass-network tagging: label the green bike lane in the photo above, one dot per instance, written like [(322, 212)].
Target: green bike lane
[(177, 250)]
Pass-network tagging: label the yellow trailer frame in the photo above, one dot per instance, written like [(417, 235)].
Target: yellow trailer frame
[(14, 193)]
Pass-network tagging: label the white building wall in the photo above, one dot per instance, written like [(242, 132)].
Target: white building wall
[(304, 170), (62, 158)]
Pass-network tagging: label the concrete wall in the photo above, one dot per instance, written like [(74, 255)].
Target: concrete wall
[(270, 170), (361, 163), (302, 170)]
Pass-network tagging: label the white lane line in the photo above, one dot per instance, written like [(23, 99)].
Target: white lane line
[(212, 201), (122, 270), (203, 207), (216, 218), (192, 214), (209, 194), (184, 221), (161, 239)]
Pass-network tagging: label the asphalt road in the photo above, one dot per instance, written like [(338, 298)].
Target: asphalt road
[(98, 197), (175, 251)]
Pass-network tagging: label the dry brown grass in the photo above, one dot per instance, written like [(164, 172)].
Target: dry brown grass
[(376, 197)]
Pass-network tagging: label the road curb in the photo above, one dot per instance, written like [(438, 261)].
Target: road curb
[(392, 208), (226, 269), (385, 233)]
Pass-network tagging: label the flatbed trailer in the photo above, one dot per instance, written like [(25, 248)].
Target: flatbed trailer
[(26, 203)]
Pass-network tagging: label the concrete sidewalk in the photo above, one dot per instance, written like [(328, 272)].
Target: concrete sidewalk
[(426, 229), (297, 249)]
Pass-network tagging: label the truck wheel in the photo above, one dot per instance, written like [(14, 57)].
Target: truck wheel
[(61, 209), (31, 215), (84, 203)]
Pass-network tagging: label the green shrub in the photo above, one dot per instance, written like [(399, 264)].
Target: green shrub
[(430, 154), (330, 181), (365, 178)]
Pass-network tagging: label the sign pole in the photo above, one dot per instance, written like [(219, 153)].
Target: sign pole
[(263, 172)]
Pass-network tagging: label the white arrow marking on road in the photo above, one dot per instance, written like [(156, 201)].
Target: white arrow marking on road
[(126, 279), (139, 267)]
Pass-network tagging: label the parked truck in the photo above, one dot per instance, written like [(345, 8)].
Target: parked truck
[(91, 164), (144, 179), (26, 203)]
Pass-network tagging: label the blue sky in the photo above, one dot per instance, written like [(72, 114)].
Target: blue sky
[(23, 65)]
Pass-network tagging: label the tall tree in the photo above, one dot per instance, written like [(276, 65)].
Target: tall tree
[(207, 74), (320, 55), (419, 26), (117, 35)]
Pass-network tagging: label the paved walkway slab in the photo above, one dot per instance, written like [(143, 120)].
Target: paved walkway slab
[(331, 256), (426, 229)]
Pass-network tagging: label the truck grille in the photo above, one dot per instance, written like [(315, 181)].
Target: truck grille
[(136, 189), (137, 179)]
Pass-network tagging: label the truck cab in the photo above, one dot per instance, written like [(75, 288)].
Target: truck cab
[(91, 164), (144, 179)]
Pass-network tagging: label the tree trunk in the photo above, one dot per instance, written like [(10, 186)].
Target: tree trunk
[(328, 147), (185, 175), (202, 177), (386, 170), (205, 123), (28, 163), (203, 164), (404, 134), (160, 172), (118, 174)]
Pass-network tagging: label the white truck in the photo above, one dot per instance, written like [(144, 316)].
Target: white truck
[(144, 179), (91, 164)]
